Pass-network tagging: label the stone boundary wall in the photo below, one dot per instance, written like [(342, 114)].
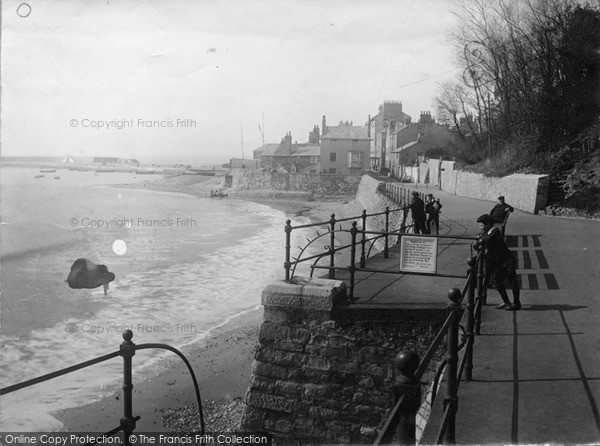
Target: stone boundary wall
[(318, 184), (528, 193), (318, 378), (371, 198)]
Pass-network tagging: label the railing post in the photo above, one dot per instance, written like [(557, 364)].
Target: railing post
[(288, 246), (332, 247), (403, 225), (387, 230), (353, 232), (127, 349), (451, 398), (472, 278), (480, 290), (363, 241), (407, 386), (484, 272)]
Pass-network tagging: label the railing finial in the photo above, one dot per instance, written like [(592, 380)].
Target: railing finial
[(128, 335), (454, 295), (472, 261), (407, 362)]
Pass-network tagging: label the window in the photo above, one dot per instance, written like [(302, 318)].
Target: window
[(333, 157), (355, 159)]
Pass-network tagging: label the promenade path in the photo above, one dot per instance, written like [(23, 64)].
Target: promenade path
[(536, 375)]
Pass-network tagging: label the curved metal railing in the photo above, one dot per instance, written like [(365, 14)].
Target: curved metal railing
[(126, 350)]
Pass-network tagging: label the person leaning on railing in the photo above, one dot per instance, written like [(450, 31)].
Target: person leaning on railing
[(499, 261)]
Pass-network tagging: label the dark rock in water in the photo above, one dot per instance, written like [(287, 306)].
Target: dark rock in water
[(87, 274)]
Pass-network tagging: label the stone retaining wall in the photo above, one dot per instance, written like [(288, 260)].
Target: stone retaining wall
[(528, 193), (318, 184), (321, 378)]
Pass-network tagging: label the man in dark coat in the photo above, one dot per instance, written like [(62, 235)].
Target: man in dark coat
[(500, 211), (417, 209), (500, 263), (432, 208)]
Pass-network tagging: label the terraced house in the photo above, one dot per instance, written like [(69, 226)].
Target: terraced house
[(345, 149)]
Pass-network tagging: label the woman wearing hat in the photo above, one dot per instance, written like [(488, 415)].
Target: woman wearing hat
[(499, 261)]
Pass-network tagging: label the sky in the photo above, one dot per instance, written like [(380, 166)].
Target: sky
[(185, 79)]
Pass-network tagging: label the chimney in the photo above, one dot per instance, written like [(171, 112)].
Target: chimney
[(313, 137), (324, 127), (369, 127), (287, 143)]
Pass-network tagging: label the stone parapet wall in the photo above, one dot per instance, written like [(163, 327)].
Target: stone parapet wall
[(528, 193), (318, 184), (320, 378)]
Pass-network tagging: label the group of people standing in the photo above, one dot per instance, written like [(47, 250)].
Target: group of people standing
[(425, 214), (500, 262)]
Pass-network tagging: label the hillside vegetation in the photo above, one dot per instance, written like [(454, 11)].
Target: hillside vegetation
[(527, 98)]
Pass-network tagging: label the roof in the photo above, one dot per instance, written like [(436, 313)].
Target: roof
[(300, 150), (266, 149), (404, 147), (346, 132), (306, 150)]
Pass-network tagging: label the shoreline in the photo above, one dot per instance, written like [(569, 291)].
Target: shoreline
[(222, 366), (222, 361)]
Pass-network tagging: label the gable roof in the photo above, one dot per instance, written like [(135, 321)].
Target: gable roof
[(346, 132), (266, 149)]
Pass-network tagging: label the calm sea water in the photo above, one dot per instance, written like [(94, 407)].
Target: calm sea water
[(183, 266)]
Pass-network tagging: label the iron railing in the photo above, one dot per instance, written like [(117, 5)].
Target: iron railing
[(360, 246), (394, 191), (126, 350), (400, 426), (331, 249)]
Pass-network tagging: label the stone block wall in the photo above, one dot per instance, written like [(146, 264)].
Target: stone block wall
[(318, 184), (371, 197), (528, 193), (322, 378)]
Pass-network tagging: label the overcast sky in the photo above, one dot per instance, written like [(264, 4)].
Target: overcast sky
[(69, 65)]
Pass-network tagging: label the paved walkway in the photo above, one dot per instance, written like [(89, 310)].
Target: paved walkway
[(536, 376)]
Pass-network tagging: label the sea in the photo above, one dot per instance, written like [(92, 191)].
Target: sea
[(184, 266)]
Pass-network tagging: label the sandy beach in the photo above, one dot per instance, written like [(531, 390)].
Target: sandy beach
[(222, 361)]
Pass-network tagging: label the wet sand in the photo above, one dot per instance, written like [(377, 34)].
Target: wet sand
[(221, 363)]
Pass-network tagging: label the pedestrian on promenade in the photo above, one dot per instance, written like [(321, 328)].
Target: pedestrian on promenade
[(500, 211), (417, 209), (432, 208), (500, 263)]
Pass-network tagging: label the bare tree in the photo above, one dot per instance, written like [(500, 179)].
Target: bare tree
[(530, 72)]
